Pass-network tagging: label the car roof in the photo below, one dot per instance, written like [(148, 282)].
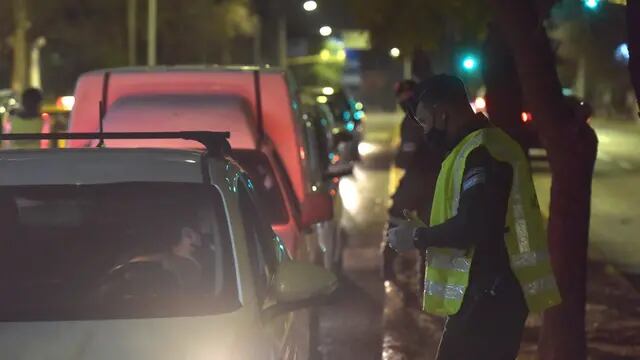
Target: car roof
[(279, 120), (100, 166), (181, 112)]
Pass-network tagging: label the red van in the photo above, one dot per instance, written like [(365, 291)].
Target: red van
[(256, 106)]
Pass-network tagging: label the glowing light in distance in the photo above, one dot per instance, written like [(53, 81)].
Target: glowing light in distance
[(622, 53), (325, 55), (325, 30), (591, 4), (328, 90), (349, 193), (66, 102), (395, 52), (469, 63), (366, 149), (310, 5), (322, 99)]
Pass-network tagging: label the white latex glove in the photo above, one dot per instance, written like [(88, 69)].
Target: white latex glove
[(400, 238)]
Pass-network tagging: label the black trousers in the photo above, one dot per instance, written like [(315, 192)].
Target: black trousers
[(488, 326)]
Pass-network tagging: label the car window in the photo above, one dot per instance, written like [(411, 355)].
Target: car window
[(278, 166), (110, 251), (265, 248), (266, 184)]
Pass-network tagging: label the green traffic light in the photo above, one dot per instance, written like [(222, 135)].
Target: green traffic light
[(591, 4), (469, 63)]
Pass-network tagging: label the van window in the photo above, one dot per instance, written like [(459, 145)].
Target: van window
[(125, 250), (265, 250), (266, 184)]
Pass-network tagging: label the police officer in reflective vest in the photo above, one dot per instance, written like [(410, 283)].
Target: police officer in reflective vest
[(487, 259), (28, 119)]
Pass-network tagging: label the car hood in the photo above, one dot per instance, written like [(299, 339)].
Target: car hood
[(188, 338)]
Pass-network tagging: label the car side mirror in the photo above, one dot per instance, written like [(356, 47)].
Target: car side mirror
[(342, 136), (317, 207), (297, 285)]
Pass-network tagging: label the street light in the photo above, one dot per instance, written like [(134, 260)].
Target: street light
[(395, 52), (326, 30), (310, 5), (328, 90)]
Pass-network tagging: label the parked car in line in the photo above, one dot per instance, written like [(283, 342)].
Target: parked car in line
[(131, 253), (325, 140), (273, 116), (346, 112)]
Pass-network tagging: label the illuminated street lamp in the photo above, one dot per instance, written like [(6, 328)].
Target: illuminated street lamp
[(326, 30), (395, 52), (310, 5), (328, 90)]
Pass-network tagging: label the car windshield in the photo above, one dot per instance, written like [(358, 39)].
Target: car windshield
[(111, 251), (267, 187)]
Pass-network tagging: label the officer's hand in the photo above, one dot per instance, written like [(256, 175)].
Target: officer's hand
[(400, 238)]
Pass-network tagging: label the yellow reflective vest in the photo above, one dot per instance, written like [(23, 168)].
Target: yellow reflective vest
[(16, 124), (447, 272)]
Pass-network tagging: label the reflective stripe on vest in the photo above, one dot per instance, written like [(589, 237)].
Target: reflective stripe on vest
[(447, 272)]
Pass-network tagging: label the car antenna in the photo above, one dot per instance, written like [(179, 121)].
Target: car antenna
[(258, 89), (102, 106)]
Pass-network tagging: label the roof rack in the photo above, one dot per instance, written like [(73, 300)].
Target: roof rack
[(215, 142)]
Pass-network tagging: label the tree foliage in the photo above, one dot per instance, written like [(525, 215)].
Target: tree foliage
[(87, 34), (423, 24)]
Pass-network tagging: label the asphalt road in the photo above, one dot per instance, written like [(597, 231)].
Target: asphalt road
[(615, 225)]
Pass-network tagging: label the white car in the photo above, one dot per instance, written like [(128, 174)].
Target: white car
[(144, 254)]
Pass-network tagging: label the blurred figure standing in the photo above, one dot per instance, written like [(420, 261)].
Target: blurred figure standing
[(28, 119), (419, 164)]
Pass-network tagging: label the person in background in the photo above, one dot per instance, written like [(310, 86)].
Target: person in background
[(28, 119), (419, 163)]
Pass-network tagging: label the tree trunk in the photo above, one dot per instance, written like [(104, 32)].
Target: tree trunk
[(571, 147), (19, 42), (633, 33), (504, 93)]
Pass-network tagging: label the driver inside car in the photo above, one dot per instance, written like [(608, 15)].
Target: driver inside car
[(180, 257)]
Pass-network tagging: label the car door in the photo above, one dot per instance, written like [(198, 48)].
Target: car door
[(266, 251)]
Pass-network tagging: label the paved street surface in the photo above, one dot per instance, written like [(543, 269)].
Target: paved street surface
[(371, 320), (615, 225)]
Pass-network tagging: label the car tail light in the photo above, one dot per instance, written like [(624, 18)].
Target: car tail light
[(526, 117)]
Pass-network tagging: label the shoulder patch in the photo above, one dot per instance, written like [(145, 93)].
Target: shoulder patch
[(473, 177)]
